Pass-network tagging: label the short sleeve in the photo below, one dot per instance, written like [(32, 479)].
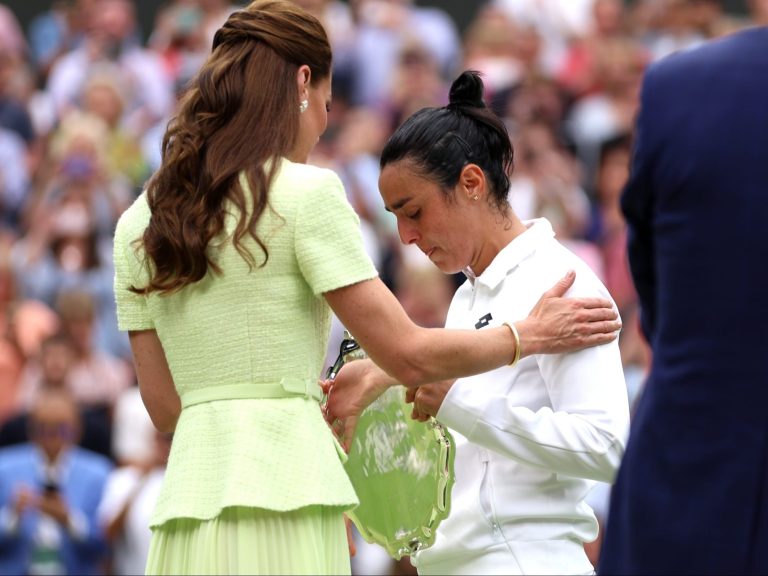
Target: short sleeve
[(329, 244), (132, 309)]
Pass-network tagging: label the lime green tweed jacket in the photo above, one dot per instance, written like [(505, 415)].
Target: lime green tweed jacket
[(249, 328)]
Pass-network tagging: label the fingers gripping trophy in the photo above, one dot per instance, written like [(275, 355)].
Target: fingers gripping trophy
[(401, 469)]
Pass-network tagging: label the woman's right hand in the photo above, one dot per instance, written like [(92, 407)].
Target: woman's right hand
[(355, 387), (557, 325)]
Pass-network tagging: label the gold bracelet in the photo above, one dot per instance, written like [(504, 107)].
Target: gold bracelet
[(516, 336)]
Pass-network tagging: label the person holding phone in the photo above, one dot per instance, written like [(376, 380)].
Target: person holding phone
[(50, 490)]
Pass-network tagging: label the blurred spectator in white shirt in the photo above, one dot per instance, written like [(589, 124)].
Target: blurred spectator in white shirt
[(384, 27), (56, 31), (128, 502), (14, 178), (111, 39), (557, 21)]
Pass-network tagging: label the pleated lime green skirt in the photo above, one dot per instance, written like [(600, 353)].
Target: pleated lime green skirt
[(241, 540)]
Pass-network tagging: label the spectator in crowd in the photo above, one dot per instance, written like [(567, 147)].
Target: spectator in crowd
[(50, 490), (338, 19), (11, 360), (711, 19), (547, 183), (94, 378), (133, 434), (675, 29), (81, 165), (424, 291), (12, 38), (758, 12), (489, 47), (416, 83), (24, 326), (384, 27), (608, 221), (13, 114), (68, 243), (14, 178), (610, 110), (179, 39), (557, 22), (56, 31), (52, 369), (123, 162), (215, 13), (98, 378), (112, 40), (20, 147), (578, 75), (126, 507)]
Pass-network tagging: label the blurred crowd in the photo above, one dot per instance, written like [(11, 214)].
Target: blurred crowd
[(85, 95)]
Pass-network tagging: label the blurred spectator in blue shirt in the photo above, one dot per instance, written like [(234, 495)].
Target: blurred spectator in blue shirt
[(49, 493)]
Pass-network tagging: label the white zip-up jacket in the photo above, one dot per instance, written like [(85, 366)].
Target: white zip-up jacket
[(531, 440)]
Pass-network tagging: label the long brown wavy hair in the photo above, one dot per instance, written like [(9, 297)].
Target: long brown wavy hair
[(239, 111)]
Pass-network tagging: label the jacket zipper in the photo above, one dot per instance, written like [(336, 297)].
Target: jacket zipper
[(486, 497)]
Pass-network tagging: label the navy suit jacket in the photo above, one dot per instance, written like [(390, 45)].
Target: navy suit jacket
[(81, 485), (691, 496)]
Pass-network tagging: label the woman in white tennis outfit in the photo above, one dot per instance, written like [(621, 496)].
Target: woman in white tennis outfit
[(531, 438)]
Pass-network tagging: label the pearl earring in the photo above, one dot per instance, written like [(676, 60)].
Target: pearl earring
[(303, 106)]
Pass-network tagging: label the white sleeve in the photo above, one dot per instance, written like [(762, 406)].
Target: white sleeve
[(9, 521), (77, 525), (66, 78), (120, 484), (582, 435)]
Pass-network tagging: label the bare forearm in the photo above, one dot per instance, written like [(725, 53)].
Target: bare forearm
[(411, 354), (155, 380), (431, 355), (414, 355)]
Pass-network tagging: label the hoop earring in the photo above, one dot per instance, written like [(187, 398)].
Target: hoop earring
[(303, 106)]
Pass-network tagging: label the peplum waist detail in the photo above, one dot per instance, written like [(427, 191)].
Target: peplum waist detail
[(272, 453)]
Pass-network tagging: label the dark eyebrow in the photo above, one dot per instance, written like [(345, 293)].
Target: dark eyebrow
[(398, 204)]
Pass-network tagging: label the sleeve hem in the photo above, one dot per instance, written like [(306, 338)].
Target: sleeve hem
[(336, 283), (127, 324)]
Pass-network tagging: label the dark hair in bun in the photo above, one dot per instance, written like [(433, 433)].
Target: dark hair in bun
[(467, 91), (441, 141)]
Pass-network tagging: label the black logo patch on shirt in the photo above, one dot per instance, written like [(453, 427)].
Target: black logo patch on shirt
[(483, 322)]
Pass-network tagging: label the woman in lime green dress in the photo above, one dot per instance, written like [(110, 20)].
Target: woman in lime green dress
[(227, 269)]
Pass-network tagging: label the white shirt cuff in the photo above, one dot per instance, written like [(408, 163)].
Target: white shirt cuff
[(454, 414), (77, 525), (9, 521)]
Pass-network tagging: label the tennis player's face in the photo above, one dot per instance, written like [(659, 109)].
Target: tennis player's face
[(441, 227)]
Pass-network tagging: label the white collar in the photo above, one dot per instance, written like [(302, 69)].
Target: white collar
[(537, 232)]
